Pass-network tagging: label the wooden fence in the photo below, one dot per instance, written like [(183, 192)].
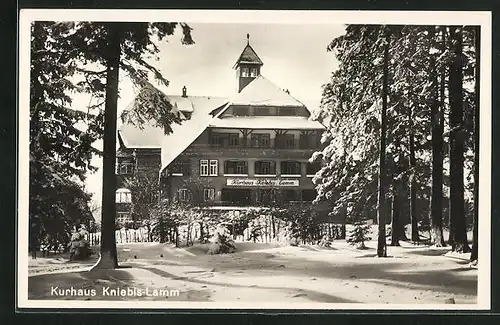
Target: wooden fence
[(123, 235), (271, 230)]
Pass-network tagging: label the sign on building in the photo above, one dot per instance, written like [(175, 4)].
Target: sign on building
[(262, 182)]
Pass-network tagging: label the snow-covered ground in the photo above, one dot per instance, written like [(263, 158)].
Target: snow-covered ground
[(260, 272), (58, 263)]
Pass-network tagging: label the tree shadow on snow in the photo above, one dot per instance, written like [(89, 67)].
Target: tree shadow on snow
[(427, 252), (395, 273), (40, 287), (298, 292)]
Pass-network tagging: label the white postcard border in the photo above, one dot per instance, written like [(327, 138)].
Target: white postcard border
[(482, 18)]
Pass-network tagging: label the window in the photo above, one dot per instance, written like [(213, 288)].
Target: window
[(244, 72), (312, 169), (234, 139), (215, 140), (262, 111), (265, 168), (123, 218), (235, 167), (265, 196), (253, 72), (237, 196), (309, 141), (208, 194), (286, 111), (203, 167), (125, 168), (183, 195), (225, 139), (180, 168), (285, 141), (213, 168), (260, 140), (208, 168), (123, 195), (290, 168)]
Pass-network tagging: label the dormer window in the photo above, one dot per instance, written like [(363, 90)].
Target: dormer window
[(253, 72), (245, 72)]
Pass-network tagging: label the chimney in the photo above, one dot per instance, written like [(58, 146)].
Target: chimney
[(184, 92)]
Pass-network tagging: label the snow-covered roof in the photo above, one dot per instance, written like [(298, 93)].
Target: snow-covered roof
[(148, 136), (185, 133), (248, 56), (151, 136), (262, 92), (267, 122), (183, 104)]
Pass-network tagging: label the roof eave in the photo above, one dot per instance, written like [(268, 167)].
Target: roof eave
[(246, 62)]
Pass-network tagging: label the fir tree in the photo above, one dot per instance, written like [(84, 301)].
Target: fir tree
[(359, 235), (62, 50), (423, 63)]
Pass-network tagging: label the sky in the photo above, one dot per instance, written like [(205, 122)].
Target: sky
[(294, 56)]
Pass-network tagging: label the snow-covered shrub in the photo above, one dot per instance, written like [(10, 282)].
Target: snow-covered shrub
[(79, 247), (294, 241), (337, 231), (222, 242), (325, 241), (359, 235), (388, 230), (255, 229), (290, 235)]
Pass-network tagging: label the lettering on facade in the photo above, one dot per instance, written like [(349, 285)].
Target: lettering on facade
[(262, 182)]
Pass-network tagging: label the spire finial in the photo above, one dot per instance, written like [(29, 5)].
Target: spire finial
[(248, 39)]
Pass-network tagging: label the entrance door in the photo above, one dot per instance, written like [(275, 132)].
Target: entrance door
[(236, 196)]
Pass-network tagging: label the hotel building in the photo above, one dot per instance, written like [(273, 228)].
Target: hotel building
[(251, 149)]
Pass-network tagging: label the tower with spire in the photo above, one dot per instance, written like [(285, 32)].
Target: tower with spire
[(247, 66)]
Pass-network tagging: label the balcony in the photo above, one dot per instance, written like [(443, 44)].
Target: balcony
[(210, 152)]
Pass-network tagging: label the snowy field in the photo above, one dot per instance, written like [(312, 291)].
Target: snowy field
[(259, 272)]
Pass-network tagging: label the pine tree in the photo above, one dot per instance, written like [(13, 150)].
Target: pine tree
[(458, 233), (417, 124), (477, 47), (382, 183), (60, 153), (437, 125), (359, 235), (110, 46)]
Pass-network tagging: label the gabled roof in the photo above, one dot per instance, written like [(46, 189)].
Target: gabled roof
[(151, 136), (259, 92), (184, 134), (262, 92), (248, 56)]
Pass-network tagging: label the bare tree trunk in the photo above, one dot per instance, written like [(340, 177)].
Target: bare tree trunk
[(382, 185), (344, 222), (477, 46), (177, 236), (202, 234), (458, 231), (273, 222), (34, 236), (437, 123), (396, 224), (413, 182), (108, 242)]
